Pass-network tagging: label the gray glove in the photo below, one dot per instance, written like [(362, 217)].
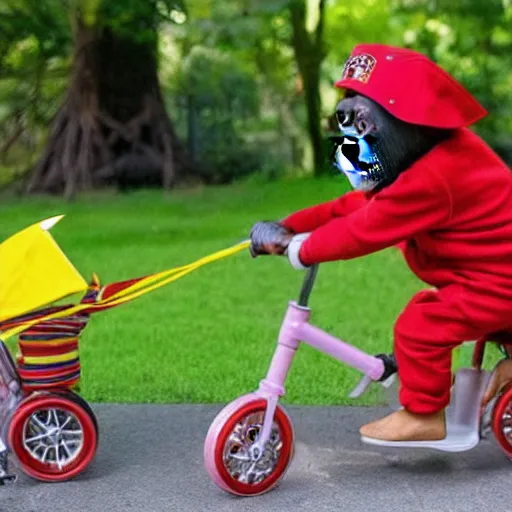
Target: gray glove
[(269, 238)]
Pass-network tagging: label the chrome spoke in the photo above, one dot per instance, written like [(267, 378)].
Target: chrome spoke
[(39, 423), (71, 432), (39, 446), (45, 453), (66, 421), (66, 449), (55, 418), (240, 458), (73, 442), (48, 421), (60, 462), (36, 438)]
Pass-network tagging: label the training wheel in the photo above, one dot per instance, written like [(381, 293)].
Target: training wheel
[(227, 455), (53, 436), (502, 420)]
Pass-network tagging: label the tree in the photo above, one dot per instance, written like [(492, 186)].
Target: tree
[(220, 96), (112, 123), (305, 20), (309, 54), (256, 38), (32, 43)]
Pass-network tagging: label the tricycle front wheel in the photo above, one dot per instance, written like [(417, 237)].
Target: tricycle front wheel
[(228, 457)]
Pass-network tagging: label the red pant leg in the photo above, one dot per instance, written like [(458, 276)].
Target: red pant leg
[(427, 331)]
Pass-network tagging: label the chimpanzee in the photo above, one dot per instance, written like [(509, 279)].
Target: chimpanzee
[(426, 183)]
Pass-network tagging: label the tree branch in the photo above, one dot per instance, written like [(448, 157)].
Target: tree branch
[(300, 37), (12, 139), (319, 35)]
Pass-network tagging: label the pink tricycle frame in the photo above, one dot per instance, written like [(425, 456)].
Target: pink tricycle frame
[(466, 422)]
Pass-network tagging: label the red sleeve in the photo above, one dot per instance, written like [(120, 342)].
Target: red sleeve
[(311, 218), (416, 202)]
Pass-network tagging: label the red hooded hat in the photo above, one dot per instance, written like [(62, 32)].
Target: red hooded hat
[(410, 87)]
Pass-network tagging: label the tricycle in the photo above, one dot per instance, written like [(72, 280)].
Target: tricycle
[(250, 444)]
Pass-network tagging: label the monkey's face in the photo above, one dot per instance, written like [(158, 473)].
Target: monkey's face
[(376, 146)]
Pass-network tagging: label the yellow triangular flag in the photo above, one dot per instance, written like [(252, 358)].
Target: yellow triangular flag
[(34, 272)]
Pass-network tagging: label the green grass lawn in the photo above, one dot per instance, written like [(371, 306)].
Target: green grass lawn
[(209, 337)]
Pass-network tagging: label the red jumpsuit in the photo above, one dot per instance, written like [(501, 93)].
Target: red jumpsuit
[(451, 213)]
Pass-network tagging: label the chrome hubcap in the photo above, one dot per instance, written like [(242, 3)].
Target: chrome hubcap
[(53, 436), (244, 461)]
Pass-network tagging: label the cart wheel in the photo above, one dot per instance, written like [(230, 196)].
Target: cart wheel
[(227, 455), (72, 395), (502, 420), (53, 437)]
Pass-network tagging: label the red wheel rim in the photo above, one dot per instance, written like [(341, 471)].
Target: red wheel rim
[(502, 418), (36, 408), (286, 436)]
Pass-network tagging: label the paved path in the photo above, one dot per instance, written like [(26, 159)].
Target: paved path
[(150, 460)]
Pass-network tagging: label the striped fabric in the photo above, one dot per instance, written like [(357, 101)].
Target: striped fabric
[(48, 354)]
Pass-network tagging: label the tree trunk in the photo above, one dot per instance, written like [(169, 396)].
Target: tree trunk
[(309, 54), (313, 107), (113, 125)]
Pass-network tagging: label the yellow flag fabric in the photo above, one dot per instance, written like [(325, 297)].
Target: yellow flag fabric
[(137, 289), (34, 272)]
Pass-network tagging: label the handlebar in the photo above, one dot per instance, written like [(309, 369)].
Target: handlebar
[(307, 285)]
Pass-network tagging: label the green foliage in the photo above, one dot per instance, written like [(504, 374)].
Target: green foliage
[(471, 40), (236, 60), (219, 93), (35, 42), (216, 80), (43, 20), (350, 23), (138, 20), (259, 39)]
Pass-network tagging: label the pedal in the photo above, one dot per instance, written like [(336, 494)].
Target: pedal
[(361, 387), (387, 380)]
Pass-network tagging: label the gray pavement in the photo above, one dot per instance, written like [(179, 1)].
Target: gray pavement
[(150, 460)]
